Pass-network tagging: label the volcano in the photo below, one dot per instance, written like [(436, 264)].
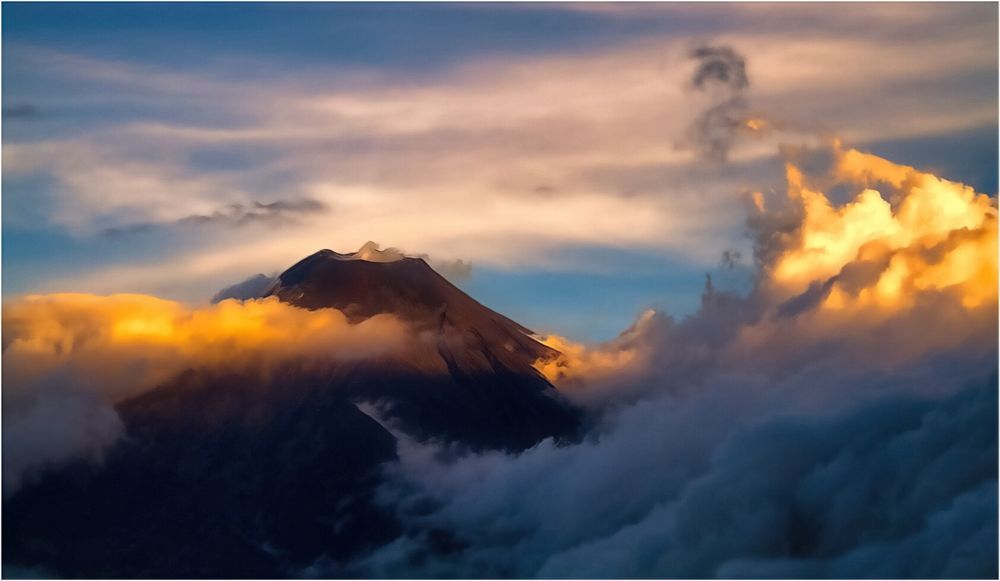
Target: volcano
[(475, 385), (238, 475)]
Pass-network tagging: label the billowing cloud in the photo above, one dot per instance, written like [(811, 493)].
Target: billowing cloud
[(927, 234), (857, 279), (69, 358), (772, 434), (718, 485)]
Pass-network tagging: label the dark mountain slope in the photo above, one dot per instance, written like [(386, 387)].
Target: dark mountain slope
[(474, 382), (206, 487)]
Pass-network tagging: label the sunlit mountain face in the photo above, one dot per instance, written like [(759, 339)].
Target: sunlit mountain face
[(677, 291)]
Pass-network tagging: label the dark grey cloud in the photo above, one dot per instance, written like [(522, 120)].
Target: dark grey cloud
[(281, 212), (714, 131), (21, 111), (730, 259), (721, 73), (253, 287), (719, 65)]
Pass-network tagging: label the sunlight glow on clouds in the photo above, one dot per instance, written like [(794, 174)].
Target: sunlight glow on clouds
[(98, 336), (873, 269), (495, 159), (934, 235)]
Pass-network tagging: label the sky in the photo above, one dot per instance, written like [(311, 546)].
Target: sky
[(560, 149)]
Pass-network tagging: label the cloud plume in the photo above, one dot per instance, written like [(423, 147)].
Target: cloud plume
[(721, 74)]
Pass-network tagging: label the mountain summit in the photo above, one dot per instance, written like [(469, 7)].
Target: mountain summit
[(231, 474)]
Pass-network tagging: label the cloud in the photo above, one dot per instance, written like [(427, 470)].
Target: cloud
[(454, 270), (751, 440), (717, 486), (884, 253), (24, 111), (252, 288), (280, 212), (795, 497), (69, 358), (61, 418), (719, 66), (721, 73)]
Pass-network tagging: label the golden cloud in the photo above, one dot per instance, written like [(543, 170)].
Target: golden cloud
[(929, 235), (864, 280), (126, 343)]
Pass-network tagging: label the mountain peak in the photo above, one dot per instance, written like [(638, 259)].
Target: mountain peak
[(479, 353), (366, 283)]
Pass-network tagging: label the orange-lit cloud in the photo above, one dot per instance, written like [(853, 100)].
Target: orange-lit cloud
[(125, 343), (576, 361), (69, 358), (865, 279), (928, 234), (586, 370)]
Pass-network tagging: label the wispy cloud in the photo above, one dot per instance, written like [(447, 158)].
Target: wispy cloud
[(280, 212), (503, 157)]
